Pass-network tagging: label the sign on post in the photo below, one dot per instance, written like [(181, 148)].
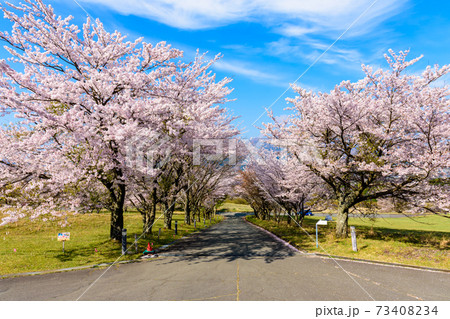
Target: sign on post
[(320, 222), (354, 245), (63, 237)]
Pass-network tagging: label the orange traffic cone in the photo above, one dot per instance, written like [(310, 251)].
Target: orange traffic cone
[(149, 250)]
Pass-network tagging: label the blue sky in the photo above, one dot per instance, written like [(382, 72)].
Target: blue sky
[(268, 44)]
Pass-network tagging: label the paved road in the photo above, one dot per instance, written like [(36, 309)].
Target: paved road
[(233, 260)]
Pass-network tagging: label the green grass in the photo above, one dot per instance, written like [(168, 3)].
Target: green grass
[(421, 241), (233, 207), (423, 223), (37, 247)]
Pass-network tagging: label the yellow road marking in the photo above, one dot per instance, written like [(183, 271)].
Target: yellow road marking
[(237, 282), (208, 298), (412, 296)]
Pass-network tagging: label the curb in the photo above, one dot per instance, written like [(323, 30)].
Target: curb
[(52, 271), (275, 237), (376, 262), (383, 263), (137, 260)]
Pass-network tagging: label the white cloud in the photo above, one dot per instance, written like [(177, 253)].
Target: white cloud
[(308, 51), (296, 17), (236, 67), (240, 68), (306, 27), (291, 30)]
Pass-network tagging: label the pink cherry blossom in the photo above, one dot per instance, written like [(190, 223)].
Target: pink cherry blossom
[(385, 136)]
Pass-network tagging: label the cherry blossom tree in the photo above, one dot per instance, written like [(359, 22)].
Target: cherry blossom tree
[(249, 188), (196, 115), (385, 136), (209, 182), (30, 185), (274, 176), (88, 94), (299, 188), (87, 87), (18, 167)]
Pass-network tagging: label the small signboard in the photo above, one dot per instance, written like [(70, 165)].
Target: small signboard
[(322, 222), (63, 236)]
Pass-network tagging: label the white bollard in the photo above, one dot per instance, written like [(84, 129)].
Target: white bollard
[(354, 245)]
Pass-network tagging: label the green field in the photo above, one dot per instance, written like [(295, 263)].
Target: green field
[(419, 241), (28, 246), (234, 207)]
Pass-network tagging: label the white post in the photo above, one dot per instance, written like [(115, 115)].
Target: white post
[(317, 238), (354, 245), (320, 222)]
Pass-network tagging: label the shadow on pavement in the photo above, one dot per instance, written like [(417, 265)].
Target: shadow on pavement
[(229, 240)]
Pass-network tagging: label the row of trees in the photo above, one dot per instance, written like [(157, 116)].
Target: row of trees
[(384, 137), (105, 122), (274, 184)]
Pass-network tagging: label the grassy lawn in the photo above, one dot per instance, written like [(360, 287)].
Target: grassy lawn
[(233, 207), (36, 246), (421, 241)]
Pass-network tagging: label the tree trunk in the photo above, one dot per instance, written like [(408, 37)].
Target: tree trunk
[(342, 221), (301, 214), (150, 221), (148, 212), (168, 213), (116, 223), (187, 210), (145, 223), (117, 212), (256, 213), (300, 220), (151, 218)]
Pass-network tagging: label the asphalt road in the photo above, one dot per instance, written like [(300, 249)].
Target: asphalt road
[(233, 260)]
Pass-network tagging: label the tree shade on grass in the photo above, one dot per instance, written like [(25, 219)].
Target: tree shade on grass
[(421, 241), (36, 246)]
